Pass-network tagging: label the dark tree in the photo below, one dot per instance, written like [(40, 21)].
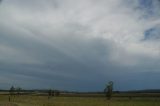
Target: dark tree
[(50, 93), (109, 90), (12, 90), (57, 92), (18, 90), (53, 93)]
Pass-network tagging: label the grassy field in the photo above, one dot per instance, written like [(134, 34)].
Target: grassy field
[(24, 100)]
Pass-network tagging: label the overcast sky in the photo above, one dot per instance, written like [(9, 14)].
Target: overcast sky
[(80, 44)]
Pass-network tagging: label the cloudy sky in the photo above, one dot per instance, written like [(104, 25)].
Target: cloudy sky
[(80, 44)]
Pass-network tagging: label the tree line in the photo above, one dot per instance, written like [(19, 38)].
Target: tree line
[(13, 91)]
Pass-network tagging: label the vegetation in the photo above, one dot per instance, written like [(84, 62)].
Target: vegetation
[(109, 90), (12, 91), (18, 97), (35, 100), (52, 93), (18, 90)]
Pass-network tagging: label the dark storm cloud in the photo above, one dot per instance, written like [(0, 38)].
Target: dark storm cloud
[(75, 45), (35, 59)]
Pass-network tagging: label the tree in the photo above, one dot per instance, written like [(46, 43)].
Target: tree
[(57, 92), (50, 93), (53, 93), (18, 90), (12, 90), (109, 90)]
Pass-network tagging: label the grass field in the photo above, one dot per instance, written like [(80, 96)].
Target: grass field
[(24, 100)]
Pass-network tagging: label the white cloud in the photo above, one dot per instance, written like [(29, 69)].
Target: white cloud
[(87, 32), (115, 21), (112, 20)]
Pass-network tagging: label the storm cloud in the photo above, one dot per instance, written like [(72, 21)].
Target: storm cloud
[(79, 44)]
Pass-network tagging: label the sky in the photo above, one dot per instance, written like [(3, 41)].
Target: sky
[(80, 45)]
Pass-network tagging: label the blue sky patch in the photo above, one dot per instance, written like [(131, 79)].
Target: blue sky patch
[(152, 34), (147, 6)]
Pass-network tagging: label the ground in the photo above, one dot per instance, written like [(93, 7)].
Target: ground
[(28, 100)]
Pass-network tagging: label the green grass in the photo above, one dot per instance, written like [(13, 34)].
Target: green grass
[(76, 101)]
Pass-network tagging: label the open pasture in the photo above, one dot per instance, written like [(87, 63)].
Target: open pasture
[(35, 100)]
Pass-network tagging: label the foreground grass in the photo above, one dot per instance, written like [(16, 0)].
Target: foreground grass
[(76, 101)]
